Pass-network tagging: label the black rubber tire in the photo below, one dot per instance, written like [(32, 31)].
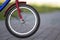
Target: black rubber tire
[(22, 36)]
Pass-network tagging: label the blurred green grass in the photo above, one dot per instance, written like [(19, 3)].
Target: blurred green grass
[(45, 9), (40, 9)]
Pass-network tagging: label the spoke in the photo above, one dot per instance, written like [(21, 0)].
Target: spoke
[(27, 24)]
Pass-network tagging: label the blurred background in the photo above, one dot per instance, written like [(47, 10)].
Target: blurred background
[(42, 6)]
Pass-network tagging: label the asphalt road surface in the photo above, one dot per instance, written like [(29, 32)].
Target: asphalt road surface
[(49, 29)]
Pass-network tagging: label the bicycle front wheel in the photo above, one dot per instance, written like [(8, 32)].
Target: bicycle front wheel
[(26, 28)]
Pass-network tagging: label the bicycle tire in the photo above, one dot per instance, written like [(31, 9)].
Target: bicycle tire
[(17, 35)]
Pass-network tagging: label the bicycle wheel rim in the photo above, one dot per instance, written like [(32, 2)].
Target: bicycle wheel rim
[(26, 32)]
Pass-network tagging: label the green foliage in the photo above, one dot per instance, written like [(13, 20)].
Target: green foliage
[(43, 8), (40, 9)]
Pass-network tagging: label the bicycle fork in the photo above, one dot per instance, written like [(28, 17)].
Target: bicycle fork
[(18, 9), (19, 12)]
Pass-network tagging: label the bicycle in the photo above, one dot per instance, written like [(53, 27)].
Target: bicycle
[(17, 16)]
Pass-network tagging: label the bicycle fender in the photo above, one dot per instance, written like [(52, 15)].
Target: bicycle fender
[(11, 7)]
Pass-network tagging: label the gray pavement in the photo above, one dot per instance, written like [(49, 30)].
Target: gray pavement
[(49, 29)]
